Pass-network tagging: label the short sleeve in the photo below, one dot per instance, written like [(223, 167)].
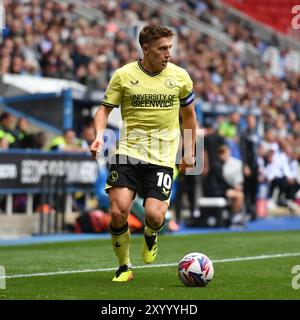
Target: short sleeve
[(186, 93), (113, 94)]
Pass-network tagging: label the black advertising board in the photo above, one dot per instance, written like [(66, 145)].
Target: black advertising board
[(23, 170)]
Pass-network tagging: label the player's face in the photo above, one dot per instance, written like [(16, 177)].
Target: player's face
[(158, 54)]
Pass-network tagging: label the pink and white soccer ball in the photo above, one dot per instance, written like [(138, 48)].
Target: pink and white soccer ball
[(195, 270)]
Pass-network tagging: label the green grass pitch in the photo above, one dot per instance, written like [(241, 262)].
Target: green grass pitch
[(84, 269)]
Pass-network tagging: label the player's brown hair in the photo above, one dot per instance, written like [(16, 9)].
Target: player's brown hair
[(153, 32)]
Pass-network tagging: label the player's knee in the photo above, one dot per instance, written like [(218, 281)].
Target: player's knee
[(155, 222), (155, 217), (117, 219), (119, 214)]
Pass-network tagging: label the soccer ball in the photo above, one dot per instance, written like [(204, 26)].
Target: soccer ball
[(195, 270)]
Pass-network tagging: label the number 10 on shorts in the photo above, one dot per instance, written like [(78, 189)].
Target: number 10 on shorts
[(164, 180)]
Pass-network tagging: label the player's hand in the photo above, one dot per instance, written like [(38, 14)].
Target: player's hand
[(187, 162), (96, 147)]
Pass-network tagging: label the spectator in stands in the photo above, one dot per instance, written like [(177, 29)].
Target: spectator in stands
[(248, 145), (68, 142), (17, 65), (281, 172), (7, 127), (274, 175), (79, 55), (269, 141), (25, 138), (261, 164), (212, 141), (280, 128), (291, 173), (88, 134), (185, 185), (4, 144), (225, 179), (36, 140), (229, 129), (22, 129)]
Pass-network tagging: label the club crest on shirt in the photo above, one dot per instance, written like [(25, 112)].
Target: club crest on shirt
[(170, 83)]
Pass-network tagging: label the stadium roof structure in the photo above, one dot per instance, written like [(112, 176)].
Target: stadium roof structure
[(15, 84)]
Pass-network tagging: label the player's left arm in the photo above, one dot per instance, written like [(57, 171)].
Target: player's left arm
[(189, 126)]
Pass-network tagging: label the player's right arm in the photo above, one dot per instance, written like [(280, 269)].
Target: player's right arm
[(100, 123), (112, 99)]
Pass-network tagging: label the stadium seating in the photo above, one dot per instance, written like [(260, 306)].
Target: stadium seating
[(275, 13)]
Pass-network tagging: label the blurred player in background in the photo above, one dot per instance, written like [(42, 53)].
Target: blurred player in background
[(151, 93)]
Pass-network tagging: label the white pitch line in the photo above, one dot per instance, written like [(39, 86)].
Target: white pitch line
[(237, 259)]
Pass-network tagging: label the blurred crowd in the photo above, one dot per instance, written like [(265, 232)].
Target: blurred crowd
[(19, 133), (50, 39), (257, 174)]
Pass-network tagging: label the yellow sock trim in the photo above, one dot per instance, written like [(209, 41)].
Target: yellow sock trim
[(150, 231), (120, 244)]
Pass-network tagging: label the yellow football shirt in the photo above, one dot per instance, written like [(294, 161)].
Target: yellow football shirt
[(150, 104)]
